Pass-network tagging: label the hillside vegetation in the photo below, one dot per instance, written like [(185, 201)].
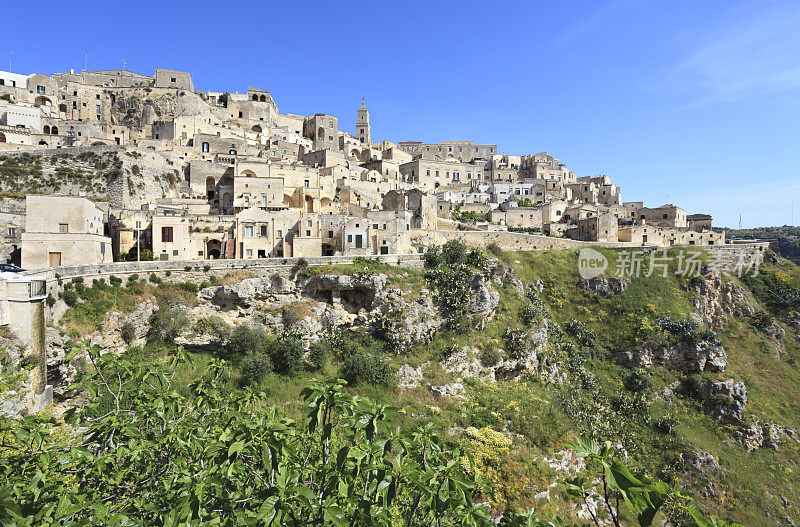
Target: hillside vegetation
[(528, 389)]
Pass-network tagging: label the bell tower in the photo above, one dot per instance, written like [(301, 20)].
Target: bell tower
[(362, 125)]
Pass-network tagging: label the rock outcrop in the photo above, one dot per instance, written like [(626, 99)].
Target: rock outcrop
[(718, 298), (687, 356), (605, 287)]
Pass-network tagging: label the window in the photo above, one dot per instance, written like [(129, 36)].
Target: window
[(280, 234), (166, 234), (263, 230), (375, 226), (175, 252), (39, 89), (205, 146), (63, 227), (249, 253), (349, 238), (248, 231), (240, 115), (172, 79), (12, 231), (98, 108), (307, 183), (330, 234), (98, 95), (664, 216), (308, 233)]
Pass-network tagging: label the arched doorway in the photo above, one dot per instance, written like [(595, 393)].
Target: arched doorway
[(309, 204), (43, 101), (321, 133), (42, 143), (54, 130), (325, 204), (46, 130), (256, 129), (255, 97), (213, 249), (263, 98), (354, 153), (2, 137), (210, 186)]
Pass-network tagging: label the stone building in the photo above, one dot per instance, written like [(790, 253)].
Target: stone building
[(323, 129), (463, 151), (63, 230)]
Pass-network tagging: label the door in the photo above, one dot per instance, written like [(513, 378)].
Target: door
[(55, 259), (359, 241)]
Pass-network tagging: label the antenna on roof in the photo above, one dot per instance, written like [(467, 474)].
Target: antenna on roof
[(85, 60), (124, 64), (10, 60), (740, 221)]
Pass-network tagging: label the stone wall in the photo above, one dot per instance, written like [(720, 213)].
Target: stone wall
[(508, 241)]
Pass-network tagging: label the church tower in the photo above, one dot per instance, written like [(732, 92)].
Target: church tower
[(362, 125)]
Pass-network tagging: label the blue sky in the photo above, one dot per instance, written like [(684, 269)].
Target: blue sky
[(691, 102)]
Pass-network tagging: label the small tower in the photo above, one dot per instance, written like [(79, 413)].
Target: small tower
[(362, 125)]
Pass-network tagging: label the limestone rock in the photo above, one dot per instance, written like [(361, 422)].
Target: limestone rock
[(717, 298), (484, 301), (409, 377), (447, 390), (725, 401), (605, 287), (690, 357)]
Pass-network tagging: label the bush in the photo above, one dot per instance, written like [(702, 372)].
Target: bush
[(247, 341), (188, 286), (128, 332), (50, 301), (287, 355), (116, 281), (70, 298), (168, 273), (290, 316), (133, 278), (206, 268), (584, 335), (154, 279), (254, 368), (212, 326), (167, 323), (516, 342), (638, 380), (490, 357), (364, 367), (761, 320), (320, 354)]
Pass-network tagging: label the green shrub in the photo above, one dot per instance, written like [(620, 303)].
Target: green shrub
[(115, 281), (490, 357), (584, 335), (516, 342), (254, 368), (320, 354), (50, 301), (168, 273), (70, 298), (364, 367), (290, 316), (154, 279), (167, 323), (204, 284), (638, 380), (212, 326), (187, 268), (287, 355), (189, 286), (762, 320), (206, 268), (133, 278), (128, 332), (247, 341)]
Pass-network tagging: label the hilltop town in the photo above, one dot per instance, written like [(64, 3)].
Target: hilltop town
[(102, 166)]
